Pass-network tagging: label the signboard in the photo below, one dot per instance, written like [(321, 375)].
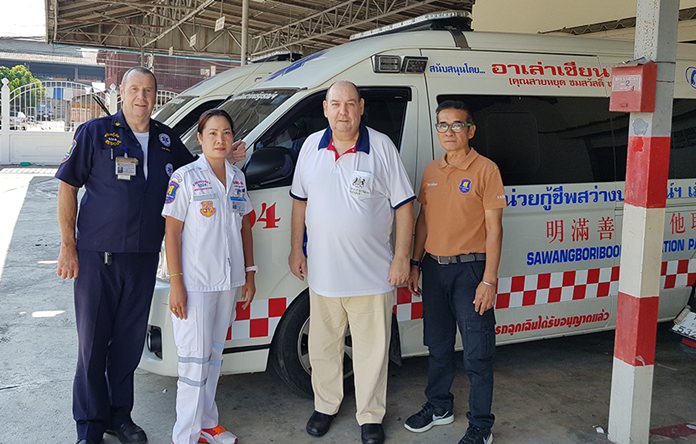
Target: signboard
[(220, 23)]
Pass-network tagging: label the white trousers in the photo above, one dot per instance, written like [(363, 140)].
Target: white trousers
[(200, 340)]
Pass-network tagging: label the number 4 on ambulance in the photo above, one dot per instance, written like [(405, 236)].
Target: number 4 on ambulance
[(685, 323)]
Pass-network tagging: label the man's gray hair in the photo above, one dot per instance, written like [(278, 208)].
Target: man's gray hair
[(139, 70)]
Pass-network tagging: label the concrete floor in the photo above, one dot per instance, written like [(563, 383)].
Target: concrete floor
[(554, 391)]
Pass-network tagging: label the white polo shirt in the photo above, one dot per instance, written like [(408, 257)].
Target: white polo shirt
[(350, 212), (211, 242)]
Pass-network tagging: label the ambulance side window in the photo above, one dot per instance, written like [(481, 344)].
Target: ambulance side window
[(682, 156), (544, 140), (192, 118), (293, 128), (277, 150)]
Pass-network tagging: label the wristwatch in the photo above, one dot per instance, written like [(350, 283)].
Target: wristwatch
[(415, 263)]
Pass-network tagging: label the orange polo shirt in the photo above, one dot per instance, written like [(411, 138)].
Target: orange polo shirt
[(454, 198)]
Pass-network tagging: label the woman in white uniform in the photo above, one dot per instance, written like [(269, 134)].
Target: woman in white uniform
[(211, 262)]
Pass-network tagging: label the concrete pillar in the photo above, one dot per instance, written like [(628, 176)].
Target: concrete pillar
[(643, 230), (113, 100), (5, 131), (245, 31)]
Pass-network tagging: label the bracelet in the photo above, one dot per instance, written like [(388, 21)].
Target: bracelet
[(250, 268), (415, 263), (488, 283), (171, 275)]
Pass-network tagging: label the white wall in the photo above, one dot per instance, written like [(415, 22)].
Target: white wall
[(38, 147), (532, 16)]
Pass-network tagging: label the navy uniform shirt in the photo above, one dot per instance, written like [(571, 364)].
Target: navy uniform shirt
[(121, 216)]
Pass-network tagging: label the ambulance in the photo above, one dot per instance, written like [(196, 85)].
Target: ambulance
[(541, 107), (182, 112)]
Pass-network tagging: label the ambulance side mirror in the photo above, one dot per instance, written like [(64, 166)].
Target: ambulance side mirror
[(269, 167)]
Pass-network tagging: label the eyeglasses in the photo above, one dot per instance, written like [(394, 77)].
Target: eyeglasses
[(457, 127)]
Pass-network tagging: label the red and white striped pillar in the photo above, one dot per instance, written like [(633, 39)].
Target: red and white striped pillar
[(643, 229)]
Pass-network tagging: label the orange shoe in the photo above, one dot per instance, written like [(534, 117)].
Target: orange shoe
[(218, 435)]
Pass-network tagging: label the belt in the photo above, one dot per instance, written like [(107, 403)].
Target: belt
[(460, 259)]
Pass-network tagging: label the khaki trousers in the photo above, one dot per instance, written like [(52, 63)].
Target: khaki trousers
[(369, 319)]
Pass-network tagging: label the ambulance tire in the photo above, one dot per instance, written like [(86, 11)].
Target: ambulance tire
[(289, 355)]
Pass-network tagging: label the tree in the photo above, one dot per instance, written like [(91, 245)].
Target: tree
[(19, 76)]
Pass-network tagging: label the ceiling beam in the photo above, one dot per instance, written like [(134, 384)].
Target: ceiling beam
[(201, 7)]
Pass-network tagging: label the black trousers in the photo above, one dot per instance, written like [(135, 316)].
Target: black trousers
[(112, 304), (448, 296)]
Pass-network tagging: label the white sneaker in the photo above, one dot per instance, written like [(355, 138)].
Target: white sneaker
[(218, 435)]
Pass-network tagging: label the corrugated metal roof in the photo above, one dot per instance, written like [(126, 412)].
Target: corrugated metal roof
[(162, 26)]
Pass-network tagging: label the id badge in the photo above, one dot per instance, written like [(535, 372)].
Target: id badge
[(361, 184), (238, 203), (126, 167)]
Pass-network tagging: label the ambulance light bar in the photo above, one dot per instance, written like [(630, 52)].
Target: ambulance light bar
[(382, 63), (276, 56), (414, 65), (417, 23), (386, 63)]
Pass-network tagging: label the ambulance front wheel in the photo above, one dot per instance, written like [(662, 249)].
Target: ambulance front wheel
[(289, 354)]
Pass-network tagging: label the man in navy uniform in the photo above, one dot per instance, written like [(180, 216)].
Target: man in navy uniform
[(124, 162)]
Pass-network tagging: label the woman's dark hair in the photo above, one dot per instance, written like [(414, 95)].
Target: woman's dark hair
[(215, 112)]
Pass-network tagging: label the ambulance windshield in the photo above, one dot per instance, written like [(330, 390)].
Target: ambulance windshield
[(247, 110), (171, 107)]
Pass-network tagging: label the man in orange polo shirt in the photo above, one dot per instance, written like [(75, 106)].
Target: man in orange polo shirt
[(458, 240)]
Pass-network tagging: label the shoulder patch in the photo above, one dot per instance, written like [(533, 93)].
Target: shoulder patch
[(171, 192), (68, 153)]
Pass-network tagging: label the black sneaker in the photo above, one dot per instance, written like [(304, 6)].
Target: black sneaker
[(428, 417), (474, 435)]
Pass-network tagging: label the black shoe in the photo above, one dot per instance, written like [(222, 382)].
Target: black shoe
[(372, 433), (128, 433), (319, 423), (428, 417), (88, 441), (475, 435)]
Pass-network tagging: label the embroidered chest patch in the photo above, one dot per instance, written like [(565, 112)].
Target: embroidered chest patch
[(465, 185), (207, 208)]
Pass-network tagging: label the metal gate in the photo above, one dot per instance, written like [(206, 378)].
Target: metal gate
[(55, 105), (63, 105)]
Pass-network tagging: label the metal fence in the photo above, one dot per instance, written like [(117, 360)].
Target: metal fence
[(63, 105), (37, 120)]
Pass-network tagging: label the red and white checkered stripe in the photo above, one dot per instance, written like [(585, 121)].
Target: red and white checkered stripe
[(259, 320), (408, 307), (547, 288)]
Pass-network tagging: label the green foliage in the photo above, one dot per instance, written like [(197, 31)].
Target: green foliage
[(19, 76)]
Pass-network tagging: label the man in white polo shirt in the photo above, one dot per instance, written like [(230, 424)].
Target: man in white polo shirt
[(348, 188)]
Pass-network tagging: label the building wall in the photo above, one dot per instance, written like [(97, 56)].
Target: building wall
[(173, 73)]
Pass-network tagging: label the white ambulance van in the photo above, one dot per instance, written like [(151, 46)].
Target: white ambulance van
[(182, 112), (540, 104)]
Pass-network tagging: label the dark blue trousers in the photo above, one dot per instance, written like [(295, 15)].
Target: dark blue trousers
[(112, 304), (448, 295)]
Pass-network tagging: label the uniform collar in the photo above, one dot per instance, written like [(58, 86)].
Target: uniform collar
[(462, 164), (120, 121), (230, 171), (362, 145)]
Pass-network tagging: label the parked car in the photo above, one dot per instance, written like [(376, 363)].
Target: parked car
[(18, 120), (44, 111)]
